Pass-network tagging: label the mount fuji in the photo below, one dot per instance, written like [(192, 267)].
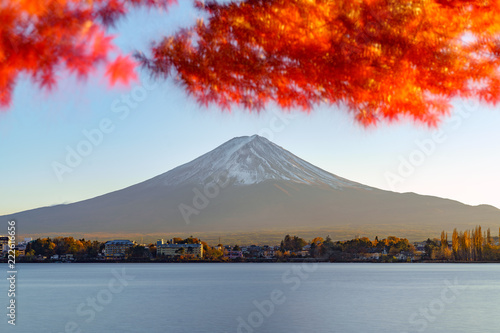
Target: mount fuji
[(251, 185), (250, 160)]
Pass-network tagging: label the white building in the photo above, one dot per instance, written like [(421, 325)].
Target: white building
[(116, 249), (173, 250)]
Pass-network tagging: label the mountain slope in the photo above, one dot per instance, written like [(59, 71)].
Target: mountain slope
[(246, 161), (249, 184)]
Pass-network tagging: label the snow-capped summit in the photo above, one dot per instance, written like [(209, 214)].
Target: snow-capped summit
[(250, 160)]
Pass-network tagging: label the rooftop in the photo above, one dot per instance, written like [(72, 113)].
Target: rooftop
[(180, 245), (119, 242)]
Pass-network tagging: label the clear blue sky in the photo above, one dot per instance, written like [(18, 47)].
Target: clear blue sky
[(166, 128)]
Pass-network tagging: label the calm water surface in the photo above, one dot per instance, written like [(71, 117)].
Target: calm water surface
[(250, 297)]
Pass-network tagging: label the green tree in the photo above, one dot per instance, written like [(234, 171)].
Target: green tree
[(294, 244), (137, 251)]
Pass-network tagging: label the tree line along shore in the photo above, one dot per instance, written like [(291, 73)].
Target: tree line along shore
[(473, 245)]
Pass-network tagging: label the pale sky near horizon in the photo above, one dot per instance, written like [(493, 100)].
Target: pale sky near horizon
[(165, 128)]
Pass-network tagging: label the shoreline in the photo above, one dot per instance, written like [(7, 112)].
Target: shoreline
[(305, 260)]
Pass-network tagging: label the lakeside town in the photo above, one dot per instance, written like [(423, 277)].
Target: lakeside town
[(470, 245)]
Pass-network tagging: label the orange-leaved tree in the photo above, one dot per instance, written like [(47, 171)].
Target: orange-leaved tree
[(39, 38), (383, 59)]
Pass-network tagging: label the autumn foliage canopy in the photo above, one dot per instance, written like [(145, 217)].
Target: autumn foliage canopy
[(383, 59), (41, 38)]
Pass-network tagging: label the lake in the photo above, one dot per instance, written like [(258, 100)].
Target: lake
[(255, 297)]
